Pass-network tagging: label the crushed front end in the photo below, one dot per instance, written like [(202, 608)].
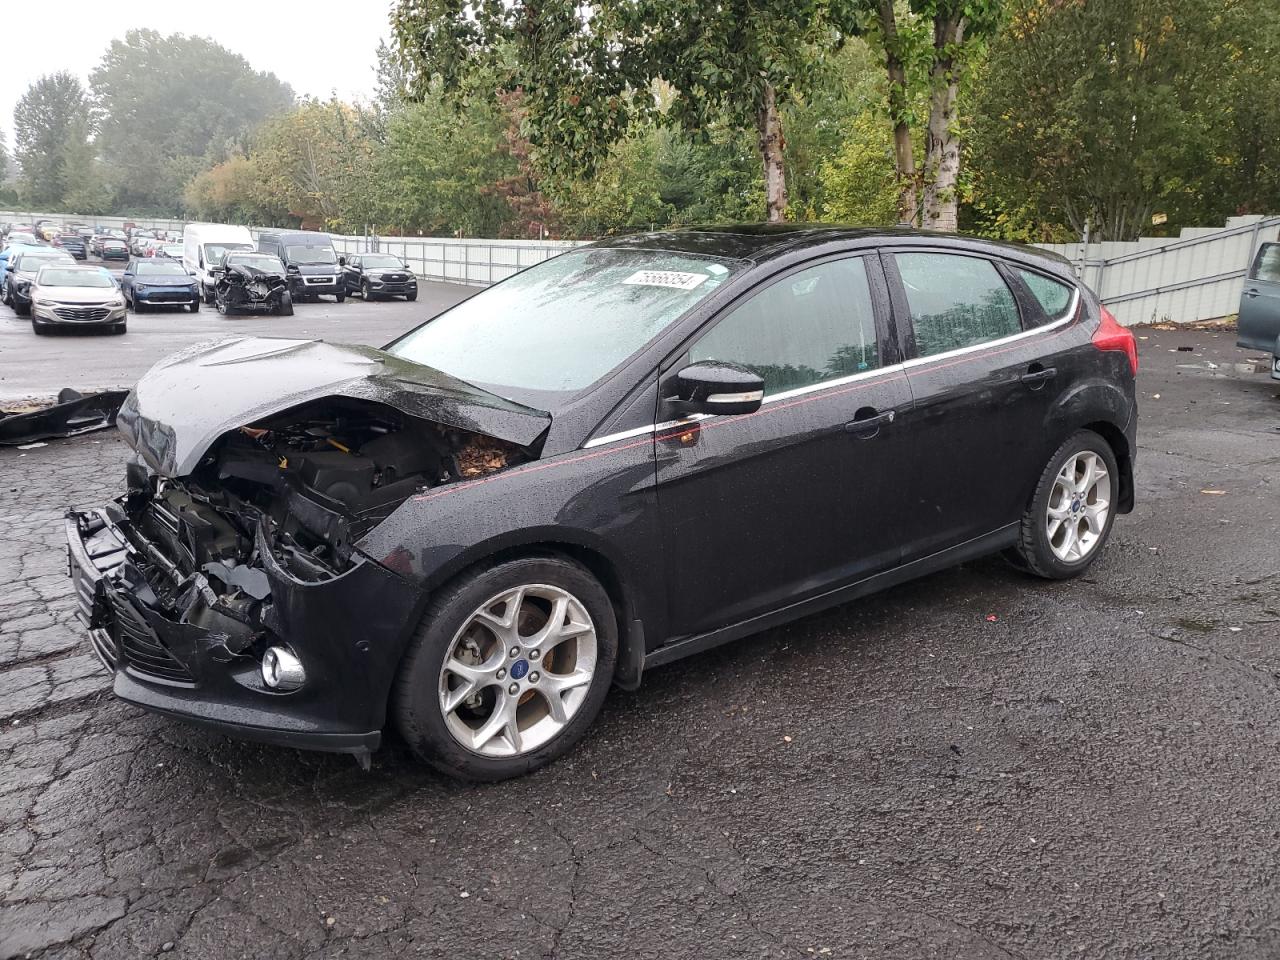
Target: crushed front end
[(234, 596)]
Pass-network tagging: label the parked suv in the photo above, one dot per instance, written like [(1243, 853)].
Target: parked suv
[(309, 259), (377, 275), (628, 454), (1259, 322), (74, 244)]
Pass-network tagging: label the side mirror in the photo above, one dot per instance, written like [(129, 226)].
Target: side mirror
[(292, 268), (716, 387), (342, 261)]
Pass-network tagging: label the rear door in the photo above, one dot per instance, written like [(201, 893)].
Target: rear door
[(770, 508), (1259, 324), (985, 370)]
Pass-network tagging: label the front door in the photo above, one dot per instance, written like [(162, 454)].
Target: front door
[(769, 508), (1259, 323)]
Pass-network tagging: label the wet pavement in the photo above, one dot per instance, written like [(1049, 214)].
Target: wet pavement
[(974, 765)]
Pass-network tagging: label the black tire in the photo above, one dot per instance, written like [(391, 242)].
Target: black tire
[(1033, 552), (415, 696), (221, 306), (22, 309), (411, 296), (208, 295), (365, 292), (340, 296), (119, 328), (5, 298), (194, 306), (37, 327), (286, 306), (138, 306)]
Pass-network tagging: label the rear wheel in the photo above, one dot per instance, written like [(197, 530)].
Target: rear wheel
[(1069, 519), (508, 669)]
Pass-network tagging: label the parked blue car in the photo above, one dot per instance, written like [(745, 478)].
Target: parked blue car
[(149, 282)]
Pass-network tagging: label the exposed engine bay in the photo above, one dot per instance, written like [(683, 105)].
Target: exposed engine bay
[(311, 482), (245, 286)]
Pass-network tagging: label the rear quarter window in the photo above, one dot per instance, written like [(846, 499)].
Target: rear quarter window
[(1054, 296)]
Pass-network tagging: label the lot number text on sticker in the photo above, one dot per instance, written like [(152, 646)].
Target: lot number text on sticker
[(666, 278)]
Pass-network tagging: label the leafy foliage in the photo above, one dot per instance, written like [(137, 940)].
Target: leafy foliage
[(51, 121)]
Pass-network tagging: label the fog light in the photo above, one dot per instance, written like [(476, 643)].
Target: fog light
[(281, 670)]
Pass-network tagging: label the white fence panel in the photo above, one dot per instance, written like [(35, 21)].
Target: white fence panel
[(1198, 275)]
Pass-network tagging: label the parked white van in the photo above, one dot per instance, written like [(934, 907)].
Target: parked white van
[(203, 245)]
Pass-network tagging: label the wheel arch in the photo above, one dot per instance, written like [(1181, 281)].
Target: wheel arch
[(609, 571), (1100, 406)]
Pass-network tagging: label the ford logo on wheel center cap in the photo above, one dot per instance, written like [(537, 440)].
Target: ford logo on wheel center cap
[(519, 669)]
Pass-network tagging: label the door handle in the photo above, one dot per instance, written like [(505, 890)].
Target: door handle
[(868, 426), (1037, 378)]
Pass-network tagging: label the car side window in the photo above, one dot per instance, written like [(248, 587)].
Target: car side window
[(1054, 296), (1266, 266), (956, 301), (806, 328)]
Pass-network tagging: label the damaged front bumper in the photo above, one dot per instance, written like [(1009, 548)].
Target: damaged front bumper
[(197, 654)]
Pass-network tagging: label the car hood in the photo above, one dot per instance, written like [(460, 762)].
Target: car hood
[(187, 401), (76, 294), (156, 280)]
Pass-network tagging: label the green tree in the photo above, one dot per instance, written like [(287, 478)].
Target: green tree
[(587, 70), (51, 114), (171, 106), (926, 45), (1100, 112), (859, 183)]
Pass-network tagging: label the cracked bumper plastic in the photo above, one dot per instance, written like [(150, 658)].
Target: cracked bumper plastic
[(349, 631)]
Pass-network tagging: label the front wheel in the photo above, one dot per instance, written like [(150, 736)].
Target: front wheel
[(1069, 519), (285, 307), (208, 295), (508, 669), (340, 296), (411, 296), (220, 304), (365, 292)]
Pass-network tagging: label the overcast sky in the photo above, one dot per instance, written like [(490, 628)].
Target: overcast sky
[(318, 47)]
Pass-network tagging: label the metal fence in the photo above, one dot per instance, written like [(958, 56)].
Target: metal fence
[(1198, 275), (477, 262)]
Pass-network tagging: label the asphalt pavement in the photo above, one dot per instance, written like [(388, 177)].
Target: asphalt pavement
[(39, 366), (975, 765)]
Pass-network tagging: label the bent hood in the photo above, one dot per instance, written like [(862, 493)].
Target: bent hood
[(188, 400)]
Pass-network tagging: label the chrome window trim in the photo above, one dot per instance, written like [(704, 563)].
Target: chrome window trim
[(1062, 321), (1013, 337)]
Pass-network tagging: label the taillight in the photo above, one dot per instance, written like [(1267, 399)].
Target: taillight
[(1111, 336)]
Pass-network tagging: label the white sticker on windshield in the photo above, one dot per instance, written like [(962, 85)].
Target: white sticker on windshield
[(666, 278)]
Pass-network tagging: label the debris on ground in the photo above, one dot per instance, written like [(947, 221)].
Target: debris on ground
[(73, 413)]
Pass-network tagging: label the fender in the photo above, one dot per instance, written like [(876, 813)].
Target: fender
[(1088, 403)]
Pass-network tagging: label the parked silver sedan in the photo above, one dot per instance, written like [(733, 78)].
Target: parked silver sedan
[(73, 296)]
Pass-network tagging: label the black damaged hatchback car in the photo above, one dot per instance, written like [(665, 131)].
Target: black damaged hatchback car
[(625, 455)]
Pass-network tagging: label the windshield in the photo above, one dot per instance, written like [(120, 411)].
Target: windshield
[(161, 269), (33, 261), (214, 252), (69, 277), (381, 261), (311, 253), (259, 261), (562, 325)]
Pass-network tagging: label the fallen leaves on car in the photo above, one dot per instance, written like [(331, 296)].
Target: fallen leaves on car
[(481, 455)]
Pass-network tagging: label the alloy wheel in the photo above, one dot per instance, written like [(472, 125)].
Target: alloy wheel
[(1079, 505), (518, 670)]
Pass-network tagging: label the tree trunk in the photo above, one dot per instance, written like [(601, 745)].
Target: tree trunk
[(769, 126), (904, 163), (942, 144)]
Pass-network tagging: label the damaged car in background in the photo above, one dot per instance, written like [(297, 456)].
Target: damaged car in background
[(625, 455), (251, 283)]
